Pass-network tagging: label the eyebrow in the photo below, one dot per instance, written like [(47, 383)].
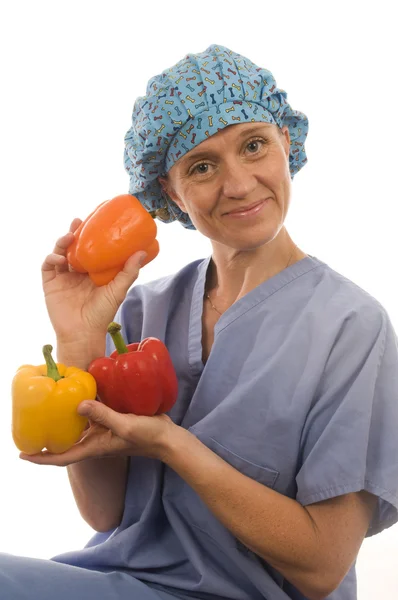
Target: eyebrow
[(198, 154), (258, 127)]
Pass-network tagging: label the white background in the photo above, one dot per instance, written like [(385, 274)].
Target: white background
[(70, 74)]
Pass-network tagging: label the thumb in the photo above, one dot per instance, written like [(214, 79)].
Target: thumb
[(126, 277), (103, 415)]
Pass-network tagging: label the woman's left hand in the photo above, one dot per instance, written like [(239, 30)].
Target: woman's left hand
[(111, 433)]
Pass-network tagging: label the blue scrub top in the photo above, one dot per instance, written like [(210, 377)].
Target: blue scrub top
[(300, 393)]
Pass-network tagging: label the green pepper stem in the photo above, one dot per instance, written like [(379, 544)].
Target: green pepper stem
[(52, 369), (161, 213), (114, 331)]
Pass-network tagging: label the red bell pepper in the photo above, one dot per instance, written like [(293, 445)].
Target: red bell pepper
[(138, 378)]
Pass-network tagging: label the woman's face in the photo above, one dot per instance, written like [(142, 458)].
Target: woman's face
[(241, 167)]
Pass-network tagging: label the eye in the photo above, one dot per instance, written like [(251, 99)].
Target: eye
[(255, 145), (201, 168)]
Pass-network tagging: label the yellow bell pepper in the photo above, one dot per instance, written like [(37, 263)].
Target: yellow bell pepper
[(44, 405)]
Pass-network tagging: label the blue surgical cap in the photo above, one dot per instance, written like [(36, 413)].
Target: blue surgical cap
[(189, 102)]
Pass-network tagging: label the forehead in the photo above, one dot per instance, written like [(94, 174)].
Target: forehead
[(227, 135)]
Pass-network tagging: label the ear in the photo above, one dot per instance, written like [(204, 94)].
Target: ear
[(171, 193), (286, 140)]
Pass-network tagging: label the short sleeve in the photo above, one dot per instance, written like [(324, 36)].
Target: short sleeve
[(350, 437)]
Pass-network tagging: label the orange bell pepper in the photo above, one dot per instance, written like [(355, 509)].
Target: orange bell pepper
[(115, 230)]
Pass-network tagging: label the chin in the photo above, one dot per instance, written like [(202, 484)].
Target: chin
[(248, 245), (242, 236), (252, 238)]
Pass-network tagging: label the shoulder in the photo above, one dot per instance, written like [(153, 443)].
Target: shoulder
[(354, 339), (347, 305), (344, 327)]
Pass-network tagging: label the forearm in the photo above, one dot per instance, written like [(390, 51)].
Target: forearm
[(272, 525), (98, 484), (99, 487)]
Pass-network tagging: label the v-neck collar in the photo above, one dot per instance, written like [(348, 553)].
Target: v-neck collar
[(240, 307)]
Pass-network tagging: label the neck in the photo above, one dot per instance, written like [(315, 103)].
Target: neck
[(234, 273)]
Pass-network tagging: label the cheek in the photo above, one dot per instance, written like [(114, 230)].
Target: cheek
[(285, 184), (275, 176), (199, 204), (278, 172), (197, 199)]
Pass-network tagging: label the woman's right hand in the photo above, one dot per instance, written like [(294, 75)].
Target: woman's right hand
[(77, 308)]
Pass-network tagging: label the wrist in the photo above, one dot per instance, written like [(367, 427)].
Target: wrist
[(79, 352), (175, 441)]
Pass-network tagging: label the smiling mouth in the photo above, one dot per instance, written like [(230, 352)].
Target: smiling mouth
[(245, 209)]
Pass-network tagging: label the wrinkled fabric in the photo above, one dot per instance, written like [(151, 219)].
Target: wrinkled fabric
[(299, 393), (24, 578), (191, 101)]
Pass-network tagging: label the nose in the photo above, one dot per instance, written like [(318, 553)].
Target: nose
[(238, 180)]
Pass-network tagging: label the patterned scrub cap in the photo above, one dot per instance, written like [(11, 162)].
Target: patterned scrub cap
[(189, 102)]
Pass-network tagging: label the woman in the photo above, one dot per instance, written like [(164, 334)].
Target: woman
[(280, 454)]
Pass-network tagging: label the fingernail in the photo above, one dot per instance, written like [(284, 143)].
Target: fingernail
[(142, 258), (84, 409)]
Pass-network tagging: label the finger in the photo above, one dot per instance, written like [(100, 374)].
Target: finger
[(75, 224), (53, 260), (56, 261), (106, 417), (53, 264), (63, 243), (126, 277), (96, 443)]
